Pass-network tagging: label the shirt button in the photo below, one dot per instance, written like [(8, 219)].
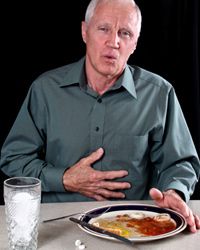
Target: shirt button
[(99, 100), (97, 129)]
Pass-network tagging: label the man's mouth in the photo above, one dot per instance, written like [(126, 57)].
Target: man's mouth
[(110, 57)]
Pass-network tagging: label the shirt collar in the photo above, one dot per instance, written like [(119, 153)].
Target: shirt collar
[(126, 80), (76, 75)]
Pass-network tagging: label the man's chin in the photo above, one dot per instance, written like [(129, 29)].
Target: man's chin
[(109, 70)]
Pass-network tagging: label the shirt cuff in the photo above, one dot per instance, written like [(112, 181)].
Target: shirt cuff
[(52, 179)]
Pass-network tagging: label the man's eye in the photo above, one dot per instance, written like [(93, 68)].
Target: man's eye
[(104, 29), (124, 33)]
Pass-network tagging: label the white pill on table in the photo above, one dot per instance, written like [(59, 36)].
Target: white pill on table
[(81, 247), (77, 243)]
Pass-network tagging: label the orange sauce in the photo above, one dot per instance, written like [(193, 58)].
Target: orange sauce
[(150, 227)]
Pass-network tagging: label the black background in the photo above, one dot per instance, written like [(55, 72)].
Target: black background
[(36, 37)]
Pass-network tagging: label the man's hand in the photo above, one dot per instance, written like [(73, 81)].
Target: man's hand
[(82, 178), (171, 199)]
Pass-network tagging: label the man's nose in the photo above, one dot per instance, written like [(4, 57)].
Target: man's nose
[(113, 40)]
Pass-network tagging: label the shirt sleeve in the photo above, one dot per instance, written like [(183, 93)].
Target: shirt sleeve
[(23, 153), (173, 152)]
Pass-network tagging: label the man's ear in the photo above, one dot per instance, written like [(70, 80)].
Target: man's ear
[(84, 30), (134, 48)]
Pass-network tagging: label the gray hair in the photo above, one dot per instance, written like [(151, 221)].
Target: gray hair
[(93, 4)]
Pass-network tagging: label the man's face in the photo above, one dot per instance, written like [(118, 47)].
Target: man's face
[(111, 37)]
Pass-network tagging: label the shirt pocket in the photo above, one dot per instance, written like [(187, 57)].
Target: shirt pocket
[(130, 147)]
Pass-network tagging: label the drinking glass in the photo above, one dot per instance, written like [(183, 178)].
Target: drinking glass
[(22, 197)]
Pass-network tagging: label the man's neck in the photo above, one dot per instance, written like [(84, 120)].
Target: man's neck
[(101, 85), (98, 82)]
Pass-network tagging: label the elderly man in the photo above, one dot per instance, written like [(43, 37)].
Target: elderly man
[(101, 129)]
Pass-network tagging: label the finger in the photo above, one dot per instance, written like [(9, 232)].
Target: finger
[(110, 175), (94, 196), (99, 198), (113, 185), (93, 157), (182, 208), (110, 194), (197, 221), (156, 194), (191, 222)]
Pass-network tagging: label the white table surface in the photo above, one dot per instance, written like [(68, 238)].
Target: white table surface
[(61, 235)]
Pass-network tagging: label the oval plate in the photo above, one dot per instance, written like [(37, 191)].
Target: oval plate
[(113, 210)]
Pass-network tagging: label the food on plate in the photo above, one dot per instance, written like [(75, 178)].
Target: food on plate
[(162, 217), (113, 226), (137, 224), (137, 215)]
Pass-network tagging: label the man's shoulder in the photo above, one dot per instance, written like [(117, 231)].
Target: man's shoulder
[(56, 74), (60, 76), (144, 76)]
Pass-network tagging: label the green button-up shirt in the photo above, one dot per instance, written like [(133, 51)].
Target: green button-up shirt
[(138, 122)]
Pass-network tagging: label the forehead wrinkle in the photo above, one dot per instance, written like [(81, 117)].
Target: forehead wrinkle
[(116, 23)]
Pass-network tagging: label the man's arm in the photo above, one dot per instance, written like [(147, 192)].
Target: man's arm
[(23, 153), (173, 152)]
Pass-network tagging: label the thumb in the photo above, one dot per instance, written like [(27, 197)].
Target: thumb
[(94, 156), (156, 194)]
